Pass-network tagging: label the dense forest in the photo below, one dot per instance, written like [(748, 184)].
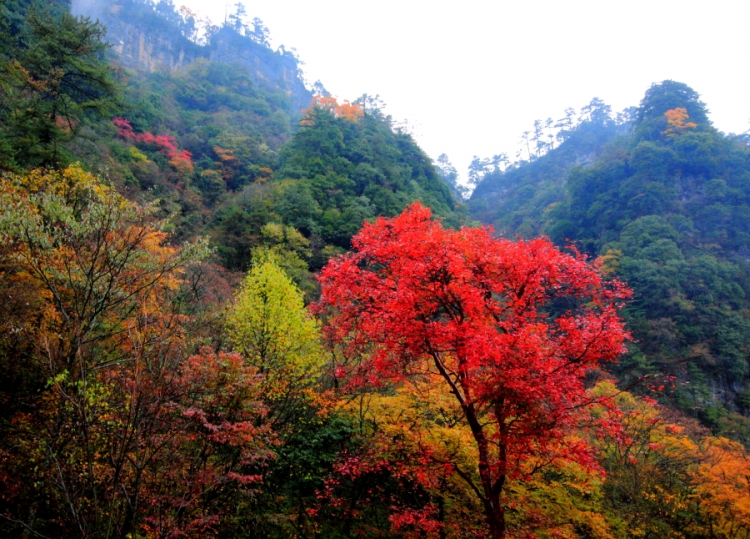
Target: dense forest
[(662, 197), (233, 306)]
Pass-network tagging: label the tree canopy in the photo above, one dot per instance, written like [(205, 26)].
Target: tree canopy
[(663, 199), (509, 329), (54, 77), (162, 374)]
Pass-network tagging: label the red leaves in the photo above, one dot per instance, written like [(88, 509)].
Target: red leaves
[(511, 327), (212, 436), (164, 144), (370, 474), (417, 289)]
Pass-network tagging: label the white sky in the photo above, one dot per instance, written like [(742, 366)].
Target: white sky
[(471, 76)]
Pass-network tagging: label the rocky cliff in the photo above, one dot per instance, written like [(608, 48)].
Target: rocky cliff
[(146, 41)]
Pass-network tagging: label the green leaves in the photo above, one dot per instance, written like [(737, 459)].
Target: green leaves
[(54, 78), (355, 170)]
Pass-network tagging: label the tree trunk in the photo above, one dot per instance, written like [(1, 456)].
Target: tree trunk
[(496, 520)]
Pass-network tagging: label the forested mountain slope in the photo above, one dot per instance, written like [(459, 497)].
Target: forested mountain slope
[(152, 37), (170, 366), (194, 117), (664, 199), (514, 199)]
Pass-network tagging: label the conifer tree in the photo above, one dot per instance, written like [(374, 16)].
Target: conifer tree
[(54, 75)]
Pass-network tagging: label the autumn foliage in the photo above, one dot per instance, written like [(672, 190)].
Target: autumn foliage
[(510, 329), (120, 430), (447, 384), (164, 144), (348, 111), (676, 121), (451, 401)]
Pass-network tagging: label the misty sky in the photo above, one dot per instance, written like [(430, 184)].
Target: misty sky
[(471, 76)]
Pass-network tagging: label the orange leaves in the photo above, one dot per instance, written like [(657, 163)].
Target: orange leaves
[(666, 475), (99, 262), (225, 155), (264, 174), (66, 125), (723, 486), (348, 111), (123, 413), (186, 13), (676, 121), (183, 162)]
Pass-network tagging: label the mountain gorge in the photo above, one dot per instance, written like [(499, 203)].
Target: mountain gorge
[(235, 306), (228, 128)]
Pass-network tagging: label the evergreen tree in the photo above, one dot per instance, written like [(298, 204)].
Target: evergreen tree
[(54, 77)]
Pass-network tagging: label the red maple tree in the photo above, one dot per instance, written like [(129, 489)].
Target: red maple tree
[(509, 328)]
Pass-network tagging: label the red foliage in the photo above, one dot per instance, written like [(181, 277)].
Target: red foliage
[(511, 327), (164, 144), (368, 474), (213, 440)]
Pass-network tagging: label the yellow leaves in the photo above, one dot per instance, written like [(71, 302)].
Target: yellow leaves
[(98, 262), (287, 238), (424, 415), (420, 422), (72, 184), (610, 261), (671, 476), (565, 503), (36, 85), (137, 155), (676, 122)]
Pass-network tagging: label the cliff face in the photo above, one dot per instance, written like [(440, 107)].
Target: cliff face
[(278, 70), (145, 41)]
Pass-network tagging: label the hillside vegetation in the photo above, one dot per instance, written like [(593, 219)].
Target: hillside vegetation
[(232, 307), (663, 198)]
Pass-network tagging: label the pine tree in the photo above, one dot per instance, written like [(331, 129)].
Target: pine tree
[(54, 75)]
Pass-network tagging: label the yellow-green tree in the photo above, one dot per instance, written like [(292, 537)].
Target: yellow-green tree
[(270, 326), (291, 252)]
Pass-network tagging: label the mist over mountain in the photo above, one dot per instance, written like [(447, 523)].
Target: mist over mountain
[(149, 38), (233, 305)]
